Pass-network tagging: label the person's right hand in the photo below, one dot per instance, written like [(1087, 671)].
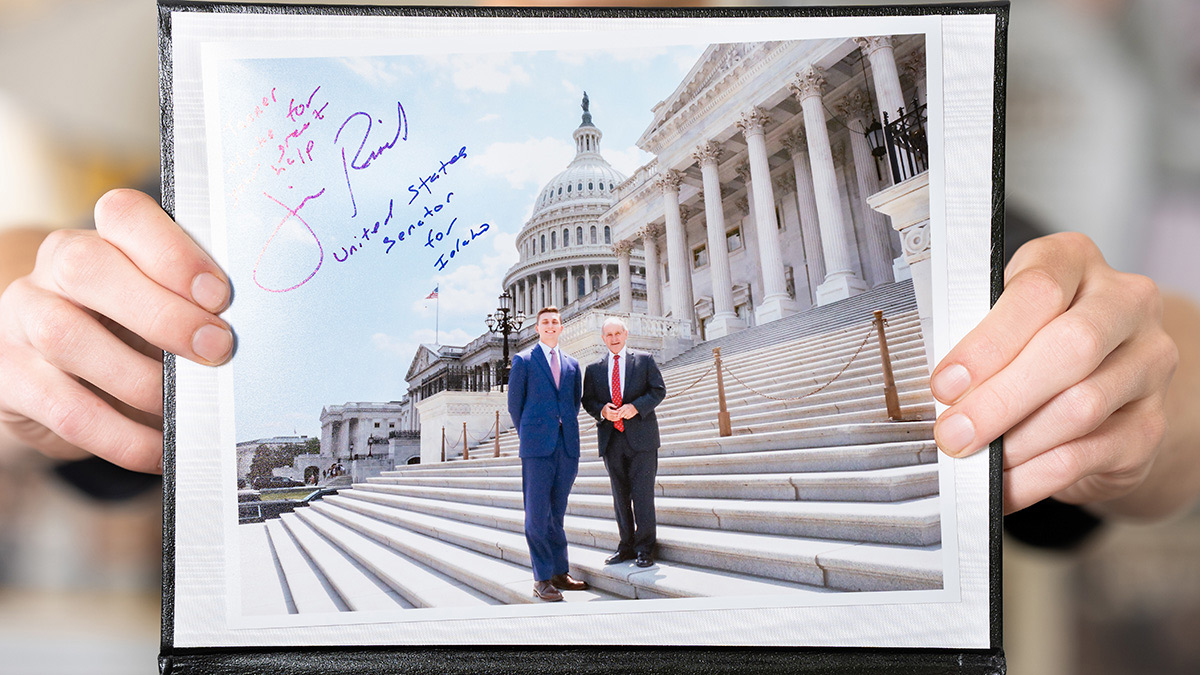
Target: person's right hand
[(80, 337)]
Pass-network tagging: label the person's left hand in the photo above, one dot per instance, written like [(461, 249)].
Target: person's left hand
[(1072, 366), (626, 411)]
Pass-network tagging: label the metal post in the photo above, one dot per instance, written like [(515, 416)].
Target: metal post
[(496, 453), (724, 423), (889, 380), (443, 443), (466, 454)]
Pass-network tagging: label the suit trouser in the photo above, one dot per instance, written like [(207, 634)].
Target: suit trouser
[(546, 483), (631, 475)]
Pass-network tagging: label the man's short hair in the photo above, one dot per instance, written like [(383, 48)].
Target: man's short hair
[(548, 309), (614, 320)]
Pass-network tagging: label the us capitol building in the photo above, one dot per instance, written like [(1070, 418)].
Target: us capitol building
[(768, 195)]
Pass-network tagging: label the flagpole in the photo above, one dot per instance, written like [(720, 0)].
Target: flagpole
[(437, 307)]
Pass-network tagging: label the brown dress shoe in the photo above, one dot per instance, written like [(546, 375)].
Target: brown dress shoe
[(546, 592), (565, 582)]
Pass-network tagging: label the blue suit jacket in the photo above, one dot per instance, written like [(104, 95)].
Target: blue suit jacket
[(538, 408)]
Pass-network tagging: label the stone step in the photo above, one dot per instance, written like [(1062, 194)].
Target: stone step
[(894, 299), (913, 523), (264, 588), (793, 559), (747, 412), (802, 360), (504, 581), (310, 591), (833, 458), (358, 589), (664, 580), (878, 485), (491, 577), (906, 329), (417, 584)]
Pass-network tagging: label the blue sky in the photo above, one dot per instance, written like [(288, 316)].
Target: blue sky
[(325, 313)]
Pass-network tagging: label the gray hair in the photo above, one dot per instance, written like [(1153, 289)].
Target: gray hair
[(614, 320)]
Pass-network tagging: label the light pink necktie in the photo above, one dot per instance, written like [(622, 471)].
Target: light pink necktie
[(554, 368)]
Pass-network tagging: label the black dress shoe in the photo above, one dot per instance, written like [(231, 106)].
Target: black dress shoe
[(545, 591), (644, 560), (618, 557), (566, 582)]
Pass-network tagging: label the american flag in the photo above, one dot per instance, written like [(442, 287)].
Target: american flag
[(433, 295)]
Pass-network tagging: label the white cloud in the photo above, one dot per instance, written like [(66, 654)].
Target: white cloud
[(490, 117), (491, 73), (629, 160), (527, 164), (374, 70)]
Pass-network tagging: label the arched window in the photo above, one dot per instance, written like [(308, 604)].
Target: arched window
[(543, 243), (607, 235), (568, 188), (581, 286), (566, 237), (593, 234), (553, 240), (581, 186), (591, 186), (560, 189), (595, 283), (610, 186), (579, 236)]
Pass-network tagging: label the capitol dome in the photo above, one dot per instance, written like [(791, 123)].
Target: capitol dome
[(565, 253)]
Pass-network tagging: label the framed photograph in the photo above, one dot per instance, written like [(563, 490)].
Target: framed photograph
[(581, 340)]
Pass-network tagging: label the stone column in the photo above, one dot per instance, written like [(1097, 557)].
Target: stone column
[(623, 250), (840, 280), (677, 253), (883, 72), (776, 302), (913, 67), (857, 109), (555, 289), (725, 320), (814, 259), (542, 298), (572, 287), (650, 235), (907, 204), (530, 290)]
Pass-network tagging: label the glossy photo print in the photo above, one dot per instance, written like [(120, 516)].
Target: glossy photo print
[(616, 334)]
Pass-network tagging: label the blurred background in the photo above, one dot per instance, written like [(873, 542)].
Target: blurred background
[(1103, 137)]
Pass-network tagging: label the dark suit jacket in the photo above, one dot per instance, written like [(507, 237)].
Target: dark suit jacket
[(644, 388), (538, 408)]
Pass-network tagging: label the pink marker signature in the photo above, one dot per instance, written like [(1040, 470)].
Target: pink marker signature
[(292, 213)]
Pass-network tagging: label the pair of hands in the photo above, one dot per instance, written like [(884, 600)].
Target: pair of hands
[(1072, 363), (613, 413)]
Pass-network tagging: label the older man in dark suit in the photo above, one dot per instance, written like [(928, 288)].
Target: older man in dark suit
[(621, 391), (543, 400)]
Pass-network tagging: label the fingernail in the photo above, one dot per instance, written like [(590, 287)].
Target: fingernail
[(955, 433), (210, 292), (949, 384), (212, 343)]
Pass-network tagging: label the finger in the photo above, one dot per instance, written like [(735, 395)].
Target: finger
[(135, 224), (1041, 283), (70, 339), (94, 274), (1105, 464), (1060, 355), (45, 395), (1134, 371)]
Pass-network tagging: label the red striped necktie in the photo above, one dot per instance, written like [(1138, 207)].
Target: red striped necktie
[(616, 389)]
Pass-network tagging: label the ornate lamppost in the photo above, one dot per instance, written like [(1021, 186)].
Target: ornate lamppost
[(505, 321)]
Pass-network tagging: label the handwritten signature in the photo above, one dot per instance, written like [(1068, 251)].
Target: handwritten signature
[(358, 162)]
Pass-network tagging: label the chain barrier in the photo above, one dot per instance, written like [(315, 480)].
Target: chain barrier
[(698, 380), (818, 389)]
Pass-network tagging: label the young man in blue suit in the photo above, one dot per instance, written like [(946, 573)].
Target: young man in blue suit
[(621, 391), (544, 389)]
